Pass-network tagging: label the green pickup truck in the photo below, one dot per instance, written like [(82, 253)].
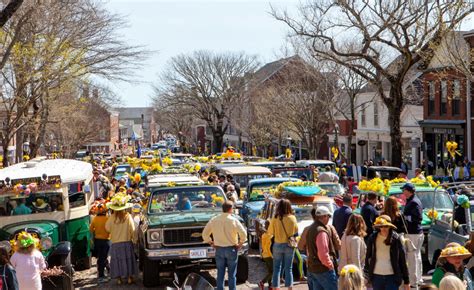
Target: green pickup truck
[(170, 235)]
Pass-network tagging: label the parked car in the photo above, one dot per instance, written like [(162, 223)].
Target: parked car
[(333, 190), (319, 164), (302, 212), (445, 229), (254, 200), (243, 174), (384, 172), (294, 172), (430, 197), (171, 239), (273, 164)]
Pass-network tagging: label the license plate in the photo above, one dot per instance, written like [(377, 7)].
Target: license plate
[(197, 254)]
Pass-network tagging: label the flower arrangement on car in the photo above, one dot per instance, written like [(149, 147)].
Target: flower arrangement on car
[(375, 185), (432, 214)]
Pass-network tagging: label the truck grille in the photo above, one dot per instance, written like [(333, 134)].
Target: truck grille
[(182, 236)]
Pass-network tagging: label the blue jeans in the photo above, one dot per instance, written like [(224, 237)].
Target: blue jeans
[(226, 257), (384, 282), (282, 256), (322, 281)]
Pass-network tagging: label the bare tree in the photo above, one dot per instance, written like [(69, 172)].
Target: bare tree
[(59, 43), (399, 33), (9, 10), (212, 84)]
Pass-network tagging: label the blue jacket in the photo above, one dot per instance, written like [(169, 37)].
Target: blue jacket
[(340, 219), (369, 213), (413, 213)]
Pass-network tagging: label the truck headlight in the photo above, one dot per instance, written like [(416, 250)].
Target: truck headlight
[(46, 243), (155, 236)]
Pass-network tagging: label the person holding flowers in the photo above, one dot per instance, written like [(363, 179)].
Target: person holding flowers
[(385, 262), (28, 262), (121, 228), (451, 261)]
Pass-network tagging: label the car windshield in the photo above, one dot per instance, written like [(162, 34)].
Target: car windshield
[(186, 199), (295, 173), (322, 167), (332, 189), (257, 192), (39, 202), (442, 202), (243, 180)]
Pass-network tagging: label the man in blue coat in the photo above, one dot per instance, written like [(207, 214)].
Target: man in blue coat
[(342, 214)]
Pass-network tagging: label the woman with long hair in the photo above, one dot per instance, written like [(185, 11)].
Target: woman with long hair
[(283, 226), (353, 247), (392, 210), (123, 264), (385, 261)]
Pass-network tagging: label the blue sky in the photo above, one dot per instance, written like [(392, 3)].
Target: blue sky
[(172, 27)]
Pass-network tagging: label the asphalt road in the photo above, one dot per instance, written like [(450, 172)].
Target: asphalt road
[(87, 279)]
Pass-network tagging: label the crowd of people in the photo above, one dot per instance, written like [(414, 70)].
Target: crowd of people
[(376, 249)]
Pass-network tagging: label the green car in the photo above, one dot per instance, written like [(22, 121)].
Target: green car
[(442, 204), (58, 193), (170, 236)]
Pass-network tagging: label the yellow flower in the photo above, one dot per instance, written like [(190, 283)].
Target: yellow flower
[(432, 214)]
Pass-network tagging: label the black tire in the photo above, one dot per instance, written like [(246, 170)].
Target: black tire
[(242, 269), (435, 258), (151, 273)]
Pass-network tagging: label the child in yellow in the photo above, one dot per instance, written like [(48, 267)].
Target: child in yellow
[(268, 259), (101, 240)]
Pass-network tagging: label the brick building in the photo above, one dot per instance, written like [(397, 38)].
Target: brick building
[(447, 100)]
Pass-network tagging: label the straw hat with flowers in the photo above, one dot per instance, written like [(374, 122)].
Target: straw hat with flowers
[(455, 250), (99, 207), (384, 221), (120, 201), (40, 203)]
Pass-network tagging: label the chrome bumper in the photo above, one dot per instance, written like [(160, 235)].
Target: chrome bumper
[(185, 253)]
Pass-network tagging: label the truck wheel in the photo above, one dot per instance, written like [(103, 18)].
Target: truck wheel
[(435, 258), (141, 258), (151, 273), (242, 269)]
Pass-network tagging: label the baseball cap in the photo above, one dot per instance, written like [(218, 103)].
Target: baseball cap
[(408, 186), (322, 210)]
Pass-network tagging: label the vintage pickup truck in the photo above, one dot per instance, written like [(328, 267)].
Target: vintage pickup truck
[(170, 235)]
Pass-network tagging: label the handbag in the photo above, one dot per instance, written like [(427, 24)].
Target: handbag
[(292, 243), (407, 243)]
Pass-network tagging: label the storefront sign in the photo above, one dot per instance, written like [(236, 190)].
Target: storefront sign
[(444, 130), (361, 142)]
